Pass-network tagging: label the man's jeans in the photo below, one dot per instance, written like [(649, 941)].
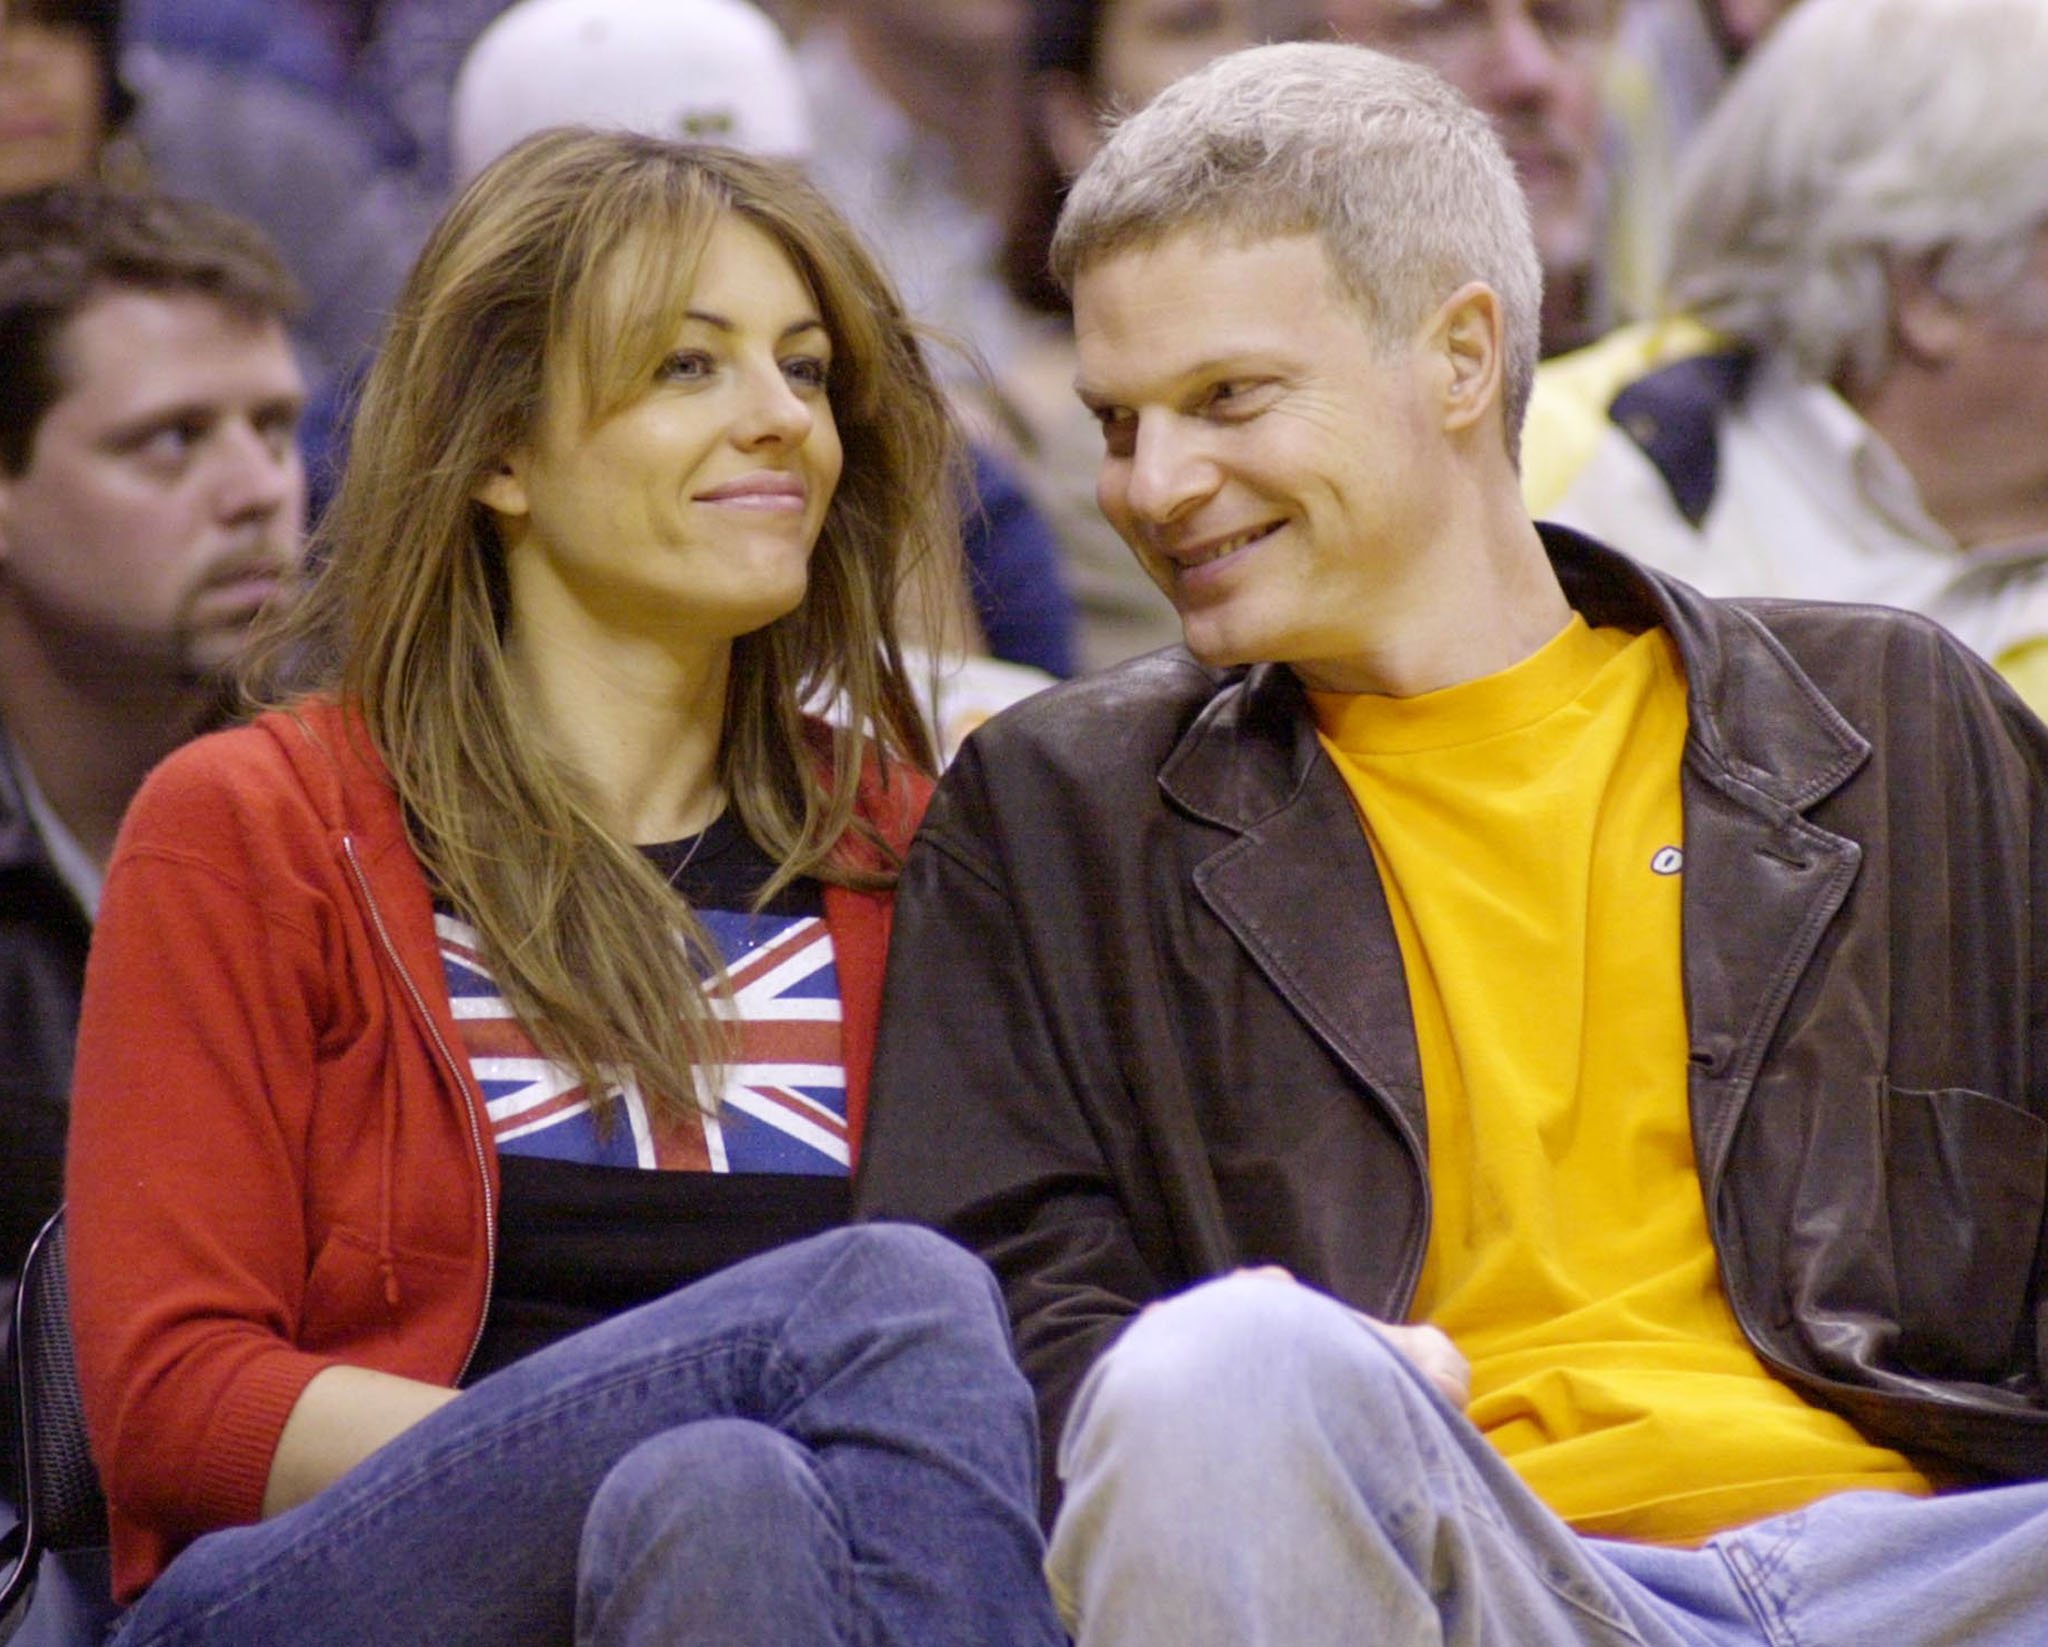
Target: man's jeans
[(827, 1444), (1252, 1466)]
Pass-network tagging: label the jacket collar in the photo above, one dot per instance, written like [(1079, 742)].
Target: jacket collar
[(1755, 716), (1764, 746), (20, 845)]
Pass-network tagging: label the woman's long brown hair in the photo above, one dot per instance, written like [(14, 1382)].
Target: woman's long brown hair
[(588, 242)]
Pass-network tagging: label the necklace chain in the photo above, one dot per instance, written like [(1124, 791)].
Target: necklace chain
[(696, 841)]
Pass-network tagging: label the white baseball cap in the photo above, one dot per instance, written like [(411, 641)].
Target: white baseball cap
[(708, 71)]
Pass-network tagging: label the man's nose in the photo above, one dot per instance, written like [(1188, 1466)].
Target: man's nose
[(259, 474), (1168, 472)]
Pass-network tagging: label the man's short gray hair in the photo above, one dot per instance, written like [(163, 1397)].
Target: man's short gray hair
[(1863, 135), (1404, 181)]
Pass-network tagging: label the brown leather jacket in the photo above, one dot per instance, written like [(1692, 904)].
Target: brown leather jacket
[(1146, 1018)]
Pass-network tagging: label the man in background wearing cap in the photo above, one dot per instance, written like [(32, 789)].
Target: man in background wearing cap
[(707, 71)]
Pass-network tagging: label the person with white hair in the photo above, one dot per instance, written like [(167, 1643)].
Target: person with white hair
[(1508, 1096), (1863, 227)]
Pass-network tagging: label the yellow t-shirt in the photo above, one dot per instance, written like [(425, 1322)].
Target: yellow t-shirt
[(1528, 829)]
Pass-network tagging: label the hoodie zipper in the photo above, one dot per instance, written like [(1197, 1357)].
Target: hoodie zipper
[(476, 1137)]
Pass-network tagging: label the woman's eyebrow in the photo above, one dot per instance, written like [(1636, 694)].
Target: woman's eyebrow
[(723, 323)]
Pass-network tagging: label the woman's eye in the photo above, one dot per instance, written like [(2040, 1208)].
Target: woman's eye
[(686, 366), (807, 371)]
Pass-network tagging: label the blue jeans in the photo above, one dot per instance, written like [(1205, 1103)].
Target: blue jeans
[(1250, 1465), (826, 1444)]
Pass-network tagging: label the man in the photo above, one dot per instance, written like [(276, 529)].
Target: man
[(151, 498), (1535, 67), (1631, 1000), (916, 128), (1871, 249)]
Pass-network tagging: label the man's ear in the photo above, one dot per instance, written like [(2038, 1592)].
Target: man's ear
[(503, 488), (1465, 337), (1926, 322), (6, 514)]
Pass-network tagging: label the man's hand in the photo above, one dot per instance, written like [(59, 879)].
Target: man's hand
[(1433, 1355), (1425, 1348)]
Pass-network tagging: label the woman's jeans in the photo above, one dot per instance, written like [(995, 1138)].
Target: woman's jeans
[(826, 1444)]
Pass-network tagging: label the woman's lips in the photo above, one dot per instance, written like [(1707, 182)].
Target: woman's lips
[(772, 491)]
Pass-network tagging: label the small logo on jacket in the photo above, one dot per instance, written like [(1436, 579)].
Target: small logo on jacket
[(1668, 861)]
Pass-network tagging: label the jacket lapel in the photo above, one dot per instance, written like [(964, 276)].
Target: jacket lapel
[(1762, 881), (1298, 889), (1759, 893), (1297, 886)]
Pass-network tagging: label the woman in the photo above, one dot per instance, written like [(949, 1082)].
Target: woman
[(64, 103), (397, 990), (75, 106)]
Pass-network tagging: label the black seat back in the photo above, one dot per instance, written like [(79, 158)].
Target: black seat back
[(62, 1507)]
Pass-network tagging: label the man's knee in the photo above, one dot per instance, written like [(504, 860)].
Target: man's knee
[(1248, 1415), (1224, 1364)]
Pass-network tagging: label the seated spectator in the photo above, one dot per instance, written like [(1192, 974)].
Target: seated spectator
[(718, 71), (915, 106), (1509, 1096), (261, 149), (1535, 68), (475, 1046), (1089, 61), (1863, 223), (151, 501), (61, 93)]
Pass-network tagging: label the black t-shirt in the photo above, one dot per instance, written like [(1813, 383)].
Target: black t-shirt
[(579, 1242)]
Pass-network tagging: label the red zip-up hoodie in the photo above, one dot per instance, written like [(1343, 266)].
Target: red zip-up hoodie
[(278, 1159)]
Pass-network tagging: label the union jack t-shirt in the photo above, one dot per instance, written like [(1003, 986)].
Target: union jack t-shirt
[(782, 1108)]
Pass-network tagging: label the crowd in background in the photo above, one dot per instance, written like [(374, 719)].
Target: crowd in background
[(945, 130)]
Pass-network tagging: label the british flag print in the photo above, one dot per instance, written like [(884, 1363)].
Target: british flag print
[(783, 1107)]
